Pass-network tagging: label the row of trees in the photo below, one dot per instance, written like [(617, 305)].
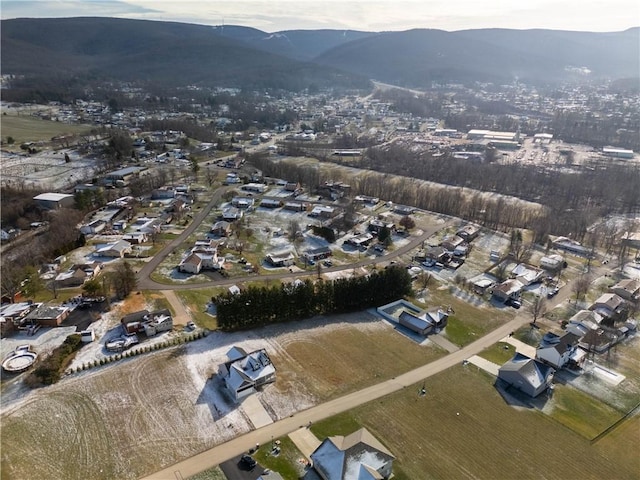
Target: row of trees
[(259, 306)]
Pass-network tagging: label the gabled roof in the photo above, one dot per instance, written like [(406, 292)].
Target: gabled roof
[(357, 456), (533, 372)]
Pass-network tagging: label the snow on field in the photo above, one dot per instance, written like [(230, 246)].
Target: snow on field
[(47, 169)]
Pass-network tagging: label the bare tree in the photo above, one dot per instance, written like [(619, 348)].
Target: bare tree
[(581, 286), (538, 307)]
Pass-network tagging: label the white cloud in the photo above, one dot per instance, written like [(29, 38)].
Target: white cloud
[(371, 15)]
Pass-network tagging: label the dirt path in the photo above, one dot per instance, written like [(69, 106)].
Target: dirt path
[(181, 313)]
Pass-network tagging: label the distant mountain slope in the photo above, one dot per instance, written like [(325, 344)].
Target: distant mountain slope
[(298, 44), (163, 52), (419, 57)]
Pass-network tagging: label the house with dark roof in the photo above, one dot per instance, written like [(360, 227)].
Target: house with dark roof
[(245, 373), (610, 305), (560, 351), (424, 324), (526, 374), (358, 456), (629, 289), (47, 315)]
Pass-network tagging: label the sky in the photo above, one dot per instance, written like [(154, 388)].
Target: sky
[(366, 15)]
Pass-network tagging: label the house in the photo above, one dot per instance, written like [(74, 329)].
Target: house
[(424, 324), (230, 214), (610, 305), (376, 225), (571, 246), (47, 316), (323, 211), (245, 373), (115, 250), (192, 263), (270, 203), (136, 237), (359, 241), (149, 322), (295, 206), (526, 374), (13, 314), (483, 283), (163, 193), (366, 199), (93, 227), (509, 289), (583, 322), (559, 351), (54, 201), (552, 262), (526, 274), (77, 274), (316, 254), (123, 176), (403, 209), (200, 258), (221, 228), (358, 456), (254, 187), (628, 289), (156, 322), (242, 202), (469, 232), (455, 245), (631, 239), (282, 259)]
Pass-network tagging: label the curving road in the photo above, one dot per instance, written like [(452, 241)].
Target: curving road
[(146, 283), (228, 450)]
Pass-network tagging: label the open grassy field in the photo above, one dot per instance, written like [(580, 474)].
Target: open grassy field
[(462, 428), (130, 418), (25, 128), (345, 359), (196, 301), (581, 412), (498, 354)]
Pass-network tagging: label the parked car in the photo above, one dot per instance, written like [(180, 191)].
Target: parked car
[(553, 292), (248, 462), (327, 263), (513, 303)]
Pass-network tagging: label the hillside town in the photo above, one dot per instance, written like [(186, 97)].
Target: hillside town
[(163, 231)]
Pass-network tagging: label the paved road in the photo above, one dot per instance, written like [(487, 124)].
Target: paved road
[(243, 443), (146, 283)]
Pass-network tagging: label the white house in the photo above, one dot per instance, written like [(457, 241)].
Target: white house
[(245, 372), (116, 250), (358, 456), (526, 274), (552, 262), (201, 257), (559, 351), (282, 259)]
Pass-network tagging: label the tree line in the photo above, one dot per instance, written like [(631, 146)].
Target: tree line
[(259, 306)]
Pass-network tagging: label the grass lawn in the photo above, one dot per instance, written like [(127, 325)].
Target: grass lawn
[(286, 463), (211, 474), (348, 357), (196, 301), (462, 428), (25, 128), (581, 412), (468, 322), (158, 301), (498, 354)]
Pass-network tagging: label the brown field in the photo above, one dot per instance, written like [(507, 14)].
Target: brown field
[(346, 359), (131, 418), (488, 439)]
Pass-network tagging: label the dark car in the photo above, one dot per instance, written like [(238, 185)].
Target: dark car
[(248, 462)]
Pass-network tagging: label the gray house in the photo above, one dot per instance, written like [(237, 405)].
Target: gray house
[(358, 456), (526, 374)]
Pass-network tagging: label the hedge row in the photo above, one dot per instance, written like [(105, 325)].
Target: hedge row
[(140, 349)]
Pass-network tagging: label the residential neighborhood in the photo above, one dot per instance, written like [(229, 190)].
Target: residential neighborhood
[(326, 284)]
